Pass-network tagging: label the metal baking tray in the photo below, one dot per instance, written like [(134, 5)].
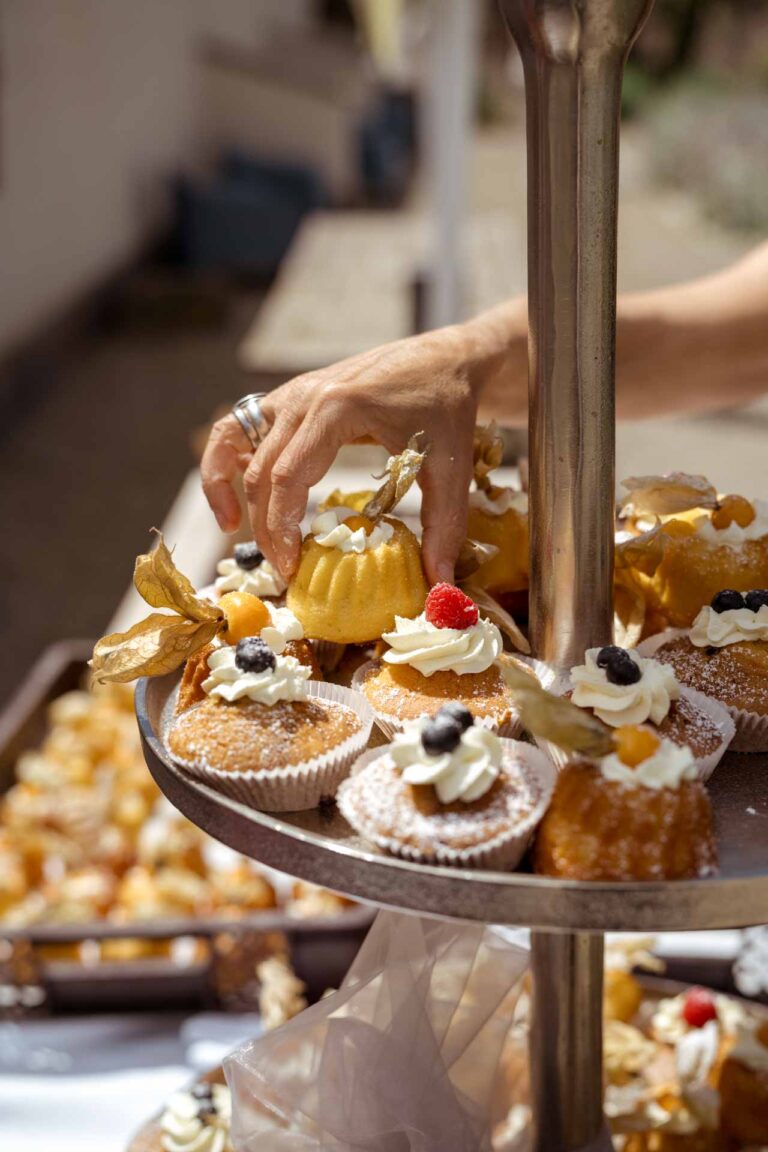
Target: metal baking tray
[(321, 948)]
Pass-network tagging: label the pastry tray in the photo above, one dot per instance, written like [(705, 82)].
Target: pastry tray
[(319, 845), (321, 948)]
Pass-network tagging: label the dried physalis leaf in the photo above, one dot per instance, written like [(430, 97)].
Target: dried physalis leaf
[(629, 611), (488, 453), (641, 553), (472, 555), (400, 473), (494, 612), (159, 582), (554, 718), (153, 647), (666, 495)]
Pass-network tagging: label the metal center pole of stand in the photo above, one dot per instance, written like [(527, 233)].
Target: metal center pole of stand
[(573, 54)]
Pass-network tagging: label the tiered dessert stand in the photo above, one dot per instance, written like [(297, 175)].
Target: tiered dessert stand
[(573, 53)]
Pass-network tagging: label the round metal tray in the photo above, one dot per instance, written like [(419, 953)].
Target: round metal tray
[(320, 846)]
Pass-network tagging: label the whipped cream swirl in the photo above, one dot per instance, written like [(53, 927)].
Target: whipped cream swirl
[(287, 681), (508, 498), (263, 580), (465, 774), (430, 649), (749, 1049), (616, 704), (734, 534), (330, 531), (669, 766), (197, 1124), (282, 628), (718, 629), (668, 1024)]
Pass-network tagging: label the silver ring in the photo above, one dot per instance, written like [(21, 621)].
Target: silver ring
[(251, 419)]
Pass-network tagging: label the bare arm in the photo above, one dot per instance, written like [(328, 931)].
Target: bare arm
[(687, 348)]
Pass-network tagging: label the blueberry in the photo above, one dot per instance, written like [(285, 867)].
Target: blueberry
[(727, 600), (441, 734), (202, 1091), (757, 599), (253, 655), (621, 668), (609, 653), (248, 556), (458, 713)]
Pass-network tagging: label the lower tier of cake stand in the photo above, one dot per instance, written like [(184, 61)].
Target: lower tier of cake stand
[(568, 918)]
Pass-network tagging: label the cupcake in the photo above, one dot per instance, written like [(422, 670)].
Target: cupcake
[(248, 571), (449, 791), (677, 1016), (621, 687), (743, 1085), (359, 570), (698, 543), (497, 516), (198, 1120), (262, 736), (637, 814), (247, 615), (447, 652), (725, 656)]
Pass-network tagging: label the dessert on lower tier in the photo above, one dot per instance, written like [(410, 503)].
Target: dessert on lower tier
[(358, 571), (725, 656), (447, 652), (743, 1085), (497, 516), (697, 542), (247, 570), (198, 1120), (261, 737), (639, 813), (620, 687), (449, 791)]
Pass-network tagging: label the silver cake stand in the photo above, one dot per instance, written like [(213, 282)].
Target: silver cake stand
[(573, 54)]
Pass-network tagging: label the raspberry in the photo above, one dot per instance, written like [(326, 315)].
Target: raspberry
[(449, 607), (699, 1008)]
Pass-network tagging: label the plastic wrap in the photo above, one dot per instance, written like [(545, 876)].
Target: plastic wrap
[(405, 1057)]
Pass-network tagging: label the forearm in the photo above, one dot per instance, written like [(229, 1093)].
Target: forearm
[(690, 347)]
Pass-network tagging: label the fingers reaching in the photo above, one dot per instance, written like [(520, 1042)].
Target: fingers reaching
[(223, 460), (444, 484)]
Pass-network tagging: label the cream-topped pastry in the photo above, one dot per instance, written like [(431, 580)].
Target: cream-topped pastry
[(749, 1049), (282, 628), (233, 677), (672, 1018), (501, 501), (713, 629), (198, 1121), (463, 770), (429, 648), (648, 695), (668, 766), (331, 530), (734, 533), (248, 571)]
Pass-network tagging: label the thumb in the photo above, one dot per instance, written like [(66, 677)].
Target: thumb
[(444, 482)]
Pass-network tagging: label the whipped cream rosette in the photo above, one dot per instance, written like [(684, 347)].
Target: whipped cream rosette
[(198, 1120), (449, 791), (623, 687), (724, 655), (447, 652), (247, 570)]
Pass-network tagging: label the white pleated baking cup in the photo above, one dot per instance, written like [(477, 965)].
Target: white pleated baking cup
[(502, 852), (328, 654), (751, 728), (295, 787), (390, 725), (560, 683)]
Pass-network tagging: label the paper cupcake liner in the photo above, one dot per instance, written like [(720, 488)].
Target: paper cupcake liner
[(390, 725), (751, 728), (502, 852), (328, 654), (718, 713), (296, 787)]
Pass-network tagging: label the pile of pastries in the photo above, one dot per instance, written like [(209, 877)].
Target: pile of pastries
[(85, 836), (282, 683)]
